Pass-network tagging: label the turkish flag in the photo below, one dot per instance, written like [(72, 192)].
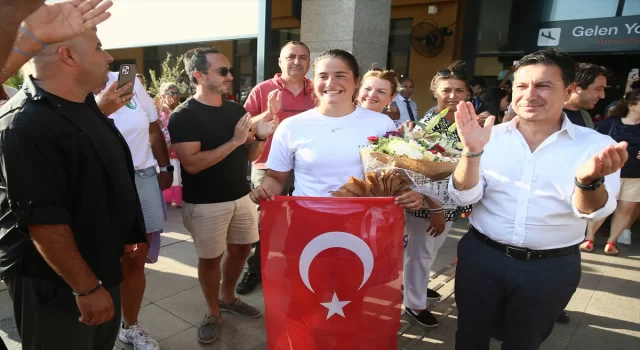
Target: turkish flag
[(331, 272)]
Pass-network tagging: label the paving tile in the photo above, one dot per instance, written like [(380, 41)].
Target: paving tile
[(187, 340), (159, 323), (168, 282), (189, 305), (615, 307), (603, 338), (179, 253), (6, 305), (580, 300), (9, 333), (556, 342), (242, 333), (172, 237)]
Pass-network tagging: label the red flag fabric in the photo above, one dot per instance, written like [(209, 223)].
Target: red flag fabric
[(331, 272)]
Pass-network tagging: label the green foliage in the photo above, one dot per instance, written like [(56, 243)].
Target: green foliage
[(16, 80), (172, 69)]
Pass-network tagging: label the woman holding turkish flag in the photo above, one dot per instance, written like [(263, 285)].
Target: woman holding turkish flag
[(325, 141), (313, 299)]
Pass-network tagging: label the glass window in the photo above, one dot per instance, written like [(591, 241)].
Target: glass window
[(564, 10), (399, 46), (245, 68), (493, 27), (631, 8)]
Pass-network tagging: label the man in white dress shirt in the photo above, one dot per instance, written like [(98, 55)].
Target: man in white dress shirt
[(406, 106), (538, 183)]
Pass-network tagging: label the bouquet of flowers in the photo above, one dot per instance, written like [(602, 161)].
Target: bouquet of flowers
[(421, 157)]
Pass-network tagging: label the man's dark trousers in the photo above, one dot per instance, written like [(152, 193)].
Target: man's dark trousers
[(516, 301), (47, 317)]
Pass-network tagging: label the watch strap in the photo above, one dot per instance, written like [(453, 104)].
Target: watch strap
[(591, 187)]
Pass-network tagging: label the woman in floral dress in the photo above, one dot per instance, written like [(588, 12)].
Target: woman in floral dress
[(427, 229)]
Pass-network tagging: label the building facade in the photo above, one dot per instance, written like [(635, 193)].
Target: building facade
[(416, 38)]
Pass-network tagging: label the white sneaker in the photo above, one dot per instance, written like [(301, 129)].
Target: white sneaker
[(625, 237), (137, 337)]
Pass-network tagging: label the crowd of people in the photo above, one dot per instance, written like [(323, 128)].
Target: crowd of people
[(88, 172)]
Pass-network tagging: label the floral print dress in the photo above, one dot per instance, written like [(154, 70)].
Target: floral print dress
[(450, 214)]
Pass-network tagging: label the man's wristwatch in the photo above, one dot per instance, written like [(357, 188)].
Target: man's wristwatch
[(255, 136), (166, 169), (591, 187)]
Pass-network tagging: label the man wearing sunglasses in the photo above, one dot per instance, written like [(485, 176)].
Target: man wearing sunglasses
[(285, 95), (213, 140)]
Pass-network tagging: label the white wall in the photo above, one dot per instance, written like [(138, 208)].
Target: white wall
[(137, 23)]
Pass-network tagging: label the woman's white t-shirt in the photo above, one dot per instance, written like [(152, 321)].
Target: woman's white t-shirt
[(324, 151), (133, 121)]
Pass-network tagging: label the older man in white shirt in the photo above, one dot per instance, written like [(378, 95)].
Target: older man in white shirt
[(540, 180)]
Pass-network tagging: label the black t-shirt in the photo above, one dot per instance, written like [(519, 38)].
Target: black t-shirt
[(65, 163), (212, 126), (575, 117), (629, 133), (114, 156)]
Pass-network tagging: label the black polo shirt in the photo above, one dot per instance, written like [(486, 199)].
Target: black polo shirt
[(212, 126), (64, 163)]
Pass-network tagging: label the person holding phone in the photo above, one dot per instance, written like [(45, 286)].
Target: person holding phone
[(137, 119), (213, 140)]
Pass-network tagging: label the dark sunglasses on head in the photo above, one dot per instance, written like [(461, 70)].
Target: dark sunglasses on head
[(445, 73)]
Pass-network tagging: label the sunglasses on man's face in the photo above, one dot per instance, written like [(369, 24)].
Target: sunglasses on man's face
[(224, 71), (445, 73)]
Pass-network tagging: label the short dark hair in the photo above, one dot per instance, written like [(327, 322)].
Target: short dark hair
[(491, 101), (551, 57), (195, 60), (586, 73), (477, 81), (407, 79), (345, 56), (295, 43)]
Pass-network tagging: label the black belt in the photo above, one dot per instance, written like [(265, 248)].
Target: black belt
[(523, 253)]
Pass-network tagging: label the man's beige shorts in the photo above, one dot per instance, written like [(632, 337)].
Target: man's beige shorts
[(214, 225), (629, 190)]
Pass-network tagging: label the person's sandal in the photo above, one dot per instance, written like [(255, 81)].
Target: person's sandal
[(611, 249), (587, 246)]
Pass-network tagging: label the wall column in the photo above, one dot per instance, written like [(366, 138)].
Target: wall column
[(357, 26)]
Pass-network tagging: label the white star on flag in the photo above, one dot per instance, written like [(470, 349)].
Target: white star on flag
[(335, 306)]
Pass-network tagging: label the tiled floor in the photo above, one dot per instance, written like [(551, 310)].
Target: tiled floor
[(605, 310)]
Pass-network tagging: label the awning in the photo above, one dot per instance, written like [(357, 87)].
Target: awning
[(137, 23)]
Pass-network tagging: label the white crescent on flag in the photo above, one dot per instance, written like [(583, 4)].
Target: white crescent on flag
[(335, 240)]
